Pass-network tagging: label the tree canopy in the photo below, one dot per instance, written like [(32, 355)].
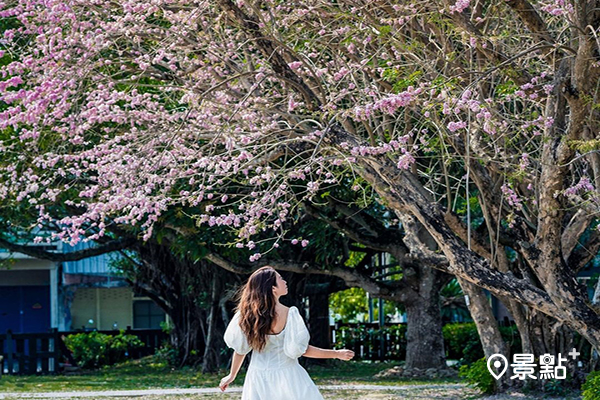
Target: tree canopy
[(114, 112)]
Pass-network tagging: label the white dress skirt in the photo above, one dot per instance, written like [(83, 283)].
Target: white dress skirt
[(274, 373)]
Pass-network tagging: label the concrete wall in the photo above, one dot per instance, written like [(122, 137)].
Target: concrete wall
[(36, 277), (105, 307)]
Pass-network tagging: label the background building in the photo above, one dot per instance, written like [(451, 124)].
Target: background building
[(36, 295)]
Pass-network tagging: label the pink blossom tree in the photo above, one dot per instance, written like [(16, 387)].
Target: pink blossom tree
[(248, 109)]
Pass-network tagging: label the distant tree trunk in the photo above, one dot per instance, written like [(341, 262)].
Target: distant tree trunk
[(425, 342), (190, 294), (214, 327), (421, 298)]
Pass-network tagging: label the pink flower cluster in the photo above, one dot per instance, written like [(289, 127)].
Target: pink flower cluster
[(459, 6), (558, 7), (389, 104), (584, 185), (512, 197)]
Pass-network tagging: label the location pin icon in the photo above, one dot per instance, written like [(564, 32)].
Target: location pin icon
[(499, 363)]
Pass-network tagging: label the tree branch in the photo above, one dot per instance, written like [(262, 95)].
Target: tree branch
[(37, 252), (351, 277), (531, 19), (379, 238)]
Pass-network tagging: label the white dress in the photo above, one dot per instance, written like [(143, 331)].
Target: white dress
[(274, 373)]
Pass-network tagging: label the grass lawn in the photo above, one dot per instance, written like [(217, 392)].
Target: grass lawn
[(151, 373)]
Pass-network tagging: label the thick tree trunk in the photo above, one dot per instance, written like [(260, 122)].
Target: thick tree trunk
[(405, 194), (519, 313), (421, 297), (425, 342), (185, 338), (210, 358), (487, 325), (318, 323)]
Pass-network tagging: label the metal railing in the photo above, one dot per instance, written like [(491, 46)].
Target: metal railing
[(46, 353)]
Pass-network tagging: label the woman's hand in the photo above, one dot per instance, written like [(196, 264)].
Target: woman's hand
[(225, 382), (344, 354)]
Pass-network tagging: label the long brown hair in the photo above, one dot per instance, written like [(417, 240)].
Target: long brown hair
[(257, 306)]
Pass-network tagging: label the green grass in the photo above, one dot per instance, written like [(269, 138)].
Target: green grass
[(151, 373), (361, 373), (147, 373)]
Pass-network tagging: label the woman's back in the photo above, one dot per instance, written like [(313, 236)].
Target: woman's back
[(273, 355), (279, 350), (276, 343), (274, 372)]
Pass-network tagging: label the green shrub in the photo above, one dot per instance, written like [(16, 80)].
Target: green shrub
[(554, 387), (95, 349), (478, 375), (591, 387), (462, 341), (171, 355)]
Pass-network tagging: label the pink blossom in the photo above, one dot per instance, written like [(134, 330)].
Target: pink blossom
[(454, 126), (405, 161), (584, 185), (295, 64), (459, 6), (512, 197)]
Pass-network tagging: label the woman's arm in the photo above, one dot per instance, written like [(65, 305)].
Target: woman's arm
[(236, 364), (317, 352)]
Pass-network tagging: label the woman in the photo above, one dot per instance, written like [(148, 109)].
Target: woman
[(278, 336)]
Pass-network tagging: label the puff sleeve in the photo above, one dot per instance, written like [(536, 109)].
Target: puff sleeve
[(296, 337), (235, 338)]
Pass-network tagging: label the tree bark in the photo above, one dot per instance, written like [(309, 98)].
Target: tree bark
[(405, 194), (425, 342), (487, 325)]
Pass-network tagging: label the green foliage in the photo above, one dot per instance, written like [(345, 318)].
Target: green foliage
[(506, 88), (554, 387), (591, 387), (95, 349), (585, 146), (462, 341), (348, 304), (169, 354), (352, 304), (453, 302), (477, 375), (400, 79)]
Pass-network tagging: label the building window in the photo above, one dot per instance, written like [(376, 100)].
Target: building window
[(147, 315)]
